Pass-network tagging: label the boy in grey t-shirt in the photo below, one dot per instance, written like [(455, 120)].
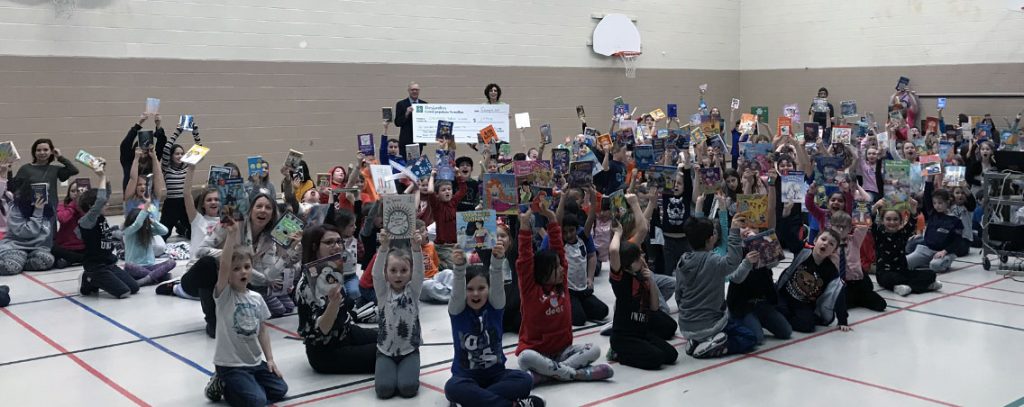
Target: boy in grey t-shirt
[(242, 377)]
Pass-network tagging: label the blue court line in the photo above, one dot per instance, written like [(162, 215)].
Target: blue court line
[(961, 319), (142, 337)]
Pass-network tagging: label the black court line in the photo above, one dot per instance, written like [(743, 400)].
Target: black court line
[(370, 379), (44, 300), (960, 318), (108, 346)]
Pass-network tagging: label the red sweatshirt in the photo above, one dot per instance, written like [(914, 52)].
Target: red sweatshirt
[(444, 213), (547, 312)]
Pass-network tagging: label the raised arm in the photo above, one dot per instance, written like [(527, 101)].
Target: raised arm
[(68, 170), (231, 239), (380, 283), (190, 202), (90, 218), (416, 283), (165, 157), (133, 176), (457, 302), (159, 186)]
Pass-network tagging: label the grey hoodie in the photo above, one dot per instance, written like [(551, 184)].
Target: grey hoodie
[(700, 288)]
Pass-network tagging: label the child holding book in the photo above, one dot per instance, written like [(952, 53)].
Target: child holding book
[(100, 264), (129, 147), (699, 294), (942, 236), (479, 377), (397, 280), (891, 230), (68, 249), (175, 173), (811, 291), (247, 374), (202, 215), (443, 206), (545, 337), (581, 258), (437, 284), (139, 228), (26, 245)]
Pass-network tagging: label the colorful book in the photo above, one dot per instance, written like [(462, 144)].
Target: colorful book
[(620, 110), (940, 103), (605, 141), (861, 214), (673, 110), (734, 104), (8, 153), (536, 173), (421, 167), (710, 126), (767, 246), (560, 158), (445, 165), (627, 132), (930, 164), (580, 113), (89, 160), (644, 156), (255, 165), (754, 207), (365, 142), (324, 274), (383, 181), (897, 183), (195, 154), (218, 175), (955, 176), (784, 126), (293, 160), (41, 191), (620, 207), (187, 122), (819, 105), (827, 169), (499, 191), (323, 180), (399, 215), (711, 177), (679, 138), (662, 177), (286, 228), (901, 84), (811, 131), (946, 151), (761, 112), (317, 214), (152, 105), (848, 108), (83, 184), (747, 122), (145, 138), (476, 230), (505, 150), (658, 114), (444, 131), (658, 145), (761, 153), (387, 114), (581, 174), (841, 134), (545, 133), (488, 134), (412, 152), (792, 111), (234, 201), (794, 187)]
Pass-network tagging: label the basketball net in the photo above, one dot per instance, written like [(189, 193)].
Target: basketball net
[(629, 62), (64, 8)]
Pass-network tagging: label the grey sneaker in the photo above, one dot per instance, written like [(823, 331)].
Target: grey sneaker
[(531, 401), (904, 290), (935, 286), (214, 388), (711, 348), (595, 372)]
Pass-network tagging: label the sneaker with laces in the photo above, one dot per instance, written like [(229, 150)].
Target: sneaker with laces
[(531, 401), (214, 388), (595, 372), (902, 290), (86, 287), (935, 286), (711, 348)]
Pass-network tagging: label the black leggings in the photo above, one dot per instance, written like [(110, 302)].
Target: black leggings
[(110, 278), (586, 307), (199, 281), (861, 293), (651, 350), (513, 317), (918, 280), (175, 216), (72, 257), (356, 354)]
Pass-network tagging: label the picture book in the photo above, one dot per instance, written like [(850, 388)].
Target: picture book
[(955, 176), (734, 104), (658, 114), (323, 274), (792, 111), (697, 136), (673, 110), (827, 168), (255, 166), (644, 156), (715, 140), (89, 160), (499, 191), (316, 214), (580, 113), (145, 138), (662, 177), (195, 154), (365, 142), (445, 165), (186, 122), (387, 114), (382, 181), (983, 131), (627, 132), (323, 180), (619, 207), (946, 151), (848, 108), (294, 159), (784, 126), (747, 123), (152, 105), (505, 150), (681, 139), (605, 141), (767, 246), (901, 84), (710, 126), (444, 131), (819, 105), (940, 103), (695, 119), (545, 133), (916, 179), (285, 228), (761, 112), (931, 126), (412, 152), (896, 116), (754, 207), (477, 230), (794, 187), (581, 174), (560, 160), (711, 177), (658, 145), (841, 134), (399, 215), (218, 174), (234, 201), (930, 164), (83, 184), (759, 153), (861, 213), (8, 153), (534, 173), (811, 132), (822, 192), (41, 191), (618, 101), (488, 134), (897, 183)]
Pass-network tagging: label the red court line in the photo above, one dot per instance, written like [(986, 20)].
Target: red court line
[(329, 396), (431, 387), (988, 300), (279, 329), (106, 380), (783, 345), (851, 380), (898, 300)]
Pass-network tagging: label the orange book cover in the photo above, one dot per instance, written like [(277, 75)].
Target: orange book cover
[(784, 126), (488, 135)]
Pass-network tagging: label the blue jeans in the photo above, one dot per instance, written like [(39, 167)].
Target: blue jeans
[(251, 385), (498, 389), (741, 339), (765, 316)]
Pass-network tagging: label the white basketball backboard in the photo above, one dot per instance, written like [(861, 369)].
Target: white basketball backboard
[(616, 32)]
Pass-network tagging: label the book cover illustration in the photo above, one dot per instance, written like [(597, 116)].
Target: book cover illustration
[(8, 153), (580, 113), (499, 192), (681, 137), (784, 126), (658, 114), (324, 274), (421, 167), (822, 192), (848, 108), (940, 103), (811, 132), (658, 145), (581, 174), (761, 112), (697, 136), (946, 151), (316, 214), (477, 230), (897, 180), (89, 160), (734, 104), (257, 166), (234, 201), (382, 180), (534, 173), (715, 141), (861, 214), (794, 187), (560, 158), (41, 191), (620, 110), (444, 131), (399, 215), (83, 184), (627, 132), (387, 114), (916, 179), (323, 180), (930, 164), (896, 116), (827, 168), (767, 246), (195, 154), (761, 153), (901, 84), (545, 133), (605, 141), (293, 160), (819, 105), (445, 165), (955, 176), (931, 126), (841, 134), (644, 156), (747, 123), (662, 177), (187, 122), (286, 228), (620, 207), (365, 143), (755, 208), (488, 134), (695, 119), (711, 177), (792, 111), (673, 110), (218, 174), (145, 138), (710, 126), (152, 105)]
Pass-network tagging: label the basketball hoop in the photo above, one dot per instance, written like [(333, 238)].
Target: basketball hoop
[(64, 8), (629, 61)]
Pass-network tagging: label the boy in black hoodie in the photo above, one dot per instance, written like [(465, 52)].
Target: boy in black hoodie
[(941, 237)]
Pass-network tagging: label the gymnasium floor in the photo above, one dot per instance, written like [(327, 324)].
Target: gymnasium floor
[(961, 346)]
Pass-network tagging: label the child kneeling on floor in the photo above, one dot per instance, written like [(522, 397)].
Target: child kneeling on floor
[(100, 264), (243, 377), (479, 376), (397, 280)]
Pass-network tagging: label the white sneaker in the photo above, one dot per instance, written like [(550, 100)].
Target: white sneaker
[(713, 347), (902, 289), (935, 286)]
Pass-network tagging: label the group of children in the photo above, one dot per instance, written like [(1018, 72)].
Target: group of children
[(682, 236)]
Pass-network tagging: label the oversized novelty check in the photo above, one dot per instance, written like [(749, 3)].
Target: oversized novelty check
[(467, 120)]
